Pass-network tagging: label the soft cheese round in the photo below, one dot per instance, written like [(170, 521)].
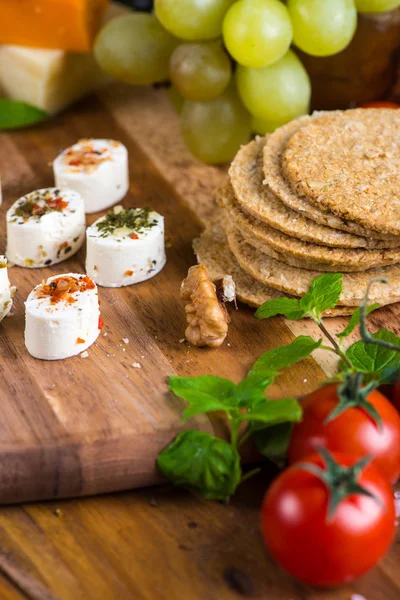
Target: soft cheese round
[(97, 169), (62, 317), (6, 291), (125, 247), (45, 227)]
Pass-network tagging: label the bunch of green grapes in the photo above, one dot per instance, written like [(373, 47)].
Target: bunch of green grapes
[(230, 63)]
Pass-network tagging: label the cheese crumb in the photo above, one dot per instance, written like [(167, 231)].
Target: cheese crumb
[(125, 340), (182, 340), (85, 354), (136, 365)]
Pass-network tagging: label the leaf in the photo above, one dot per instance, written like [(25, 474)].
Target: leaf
[(15, 114), (288, 307), (375, 360), (285, 356), (355, 320), (203, 463), (273, 442), (206, 393), (324, 293), (273, 412)]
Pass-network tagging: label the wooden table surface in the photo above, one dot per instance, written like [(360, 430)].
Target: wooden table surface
[(161, 543)]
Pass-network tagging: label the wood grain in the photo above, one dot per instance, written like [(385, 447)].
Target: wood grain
[(86, 426), (83, 426)]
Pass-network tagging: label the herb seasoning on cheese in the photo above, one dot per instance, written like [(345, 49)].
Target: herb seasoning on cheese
[(130, 222), (39, 203)]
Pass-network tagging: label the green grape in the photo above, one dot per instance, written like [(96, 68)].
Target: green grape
[(215, 130), (200, 71), (175, 99), (277, 93), (192, 19), (322, 27), (135, 49), (257, 33), (263, 127), (376, 6)]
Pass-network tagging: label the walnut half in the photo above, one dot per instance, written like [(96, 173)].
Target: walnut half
[(207, 317)]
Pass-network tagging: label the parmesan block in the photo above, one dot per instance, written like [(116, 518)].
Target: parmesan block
[(96, 169), (62, 317), (45, 227), (125, 247), (48, 79), (6, 291)]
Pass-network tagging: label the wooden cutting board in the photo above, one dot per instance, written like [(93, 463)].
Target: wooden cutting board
[(91, 425)]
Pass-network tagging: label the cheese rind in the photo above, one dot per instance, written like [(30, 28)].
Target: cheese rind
[(6, 291), (125, 256), (96, 169), (35, 240), (59, 330), (65, 24)]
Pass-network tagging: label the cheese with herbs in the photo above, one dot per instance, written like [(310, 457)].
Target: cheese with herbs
[(6, 290), (97, 169), (62, 317), (45, 227), (125, 247)]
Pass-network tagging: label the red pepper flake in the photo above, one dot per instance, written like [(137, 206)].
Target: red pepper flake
[(80, 340), (64, 245), (62, 288), (57, 203), (74, 162), (128, 273), (134, 236), (101, 323)]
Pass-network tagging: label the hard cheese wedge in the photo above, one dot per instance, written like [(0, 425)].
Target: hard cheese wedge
[(50, 79), (62, 24)]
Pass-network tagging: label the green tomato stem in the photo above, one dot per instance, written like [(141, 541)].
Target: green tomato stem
[(336, 348), (250, 474)]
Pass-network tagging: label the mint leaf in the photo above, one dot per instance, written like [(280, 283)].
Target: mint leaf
[(355, 320), (288, 307), (324, 293), (203, 463), (379, 362), (15, 114), (278, 358), (273, 442), (273, 412)]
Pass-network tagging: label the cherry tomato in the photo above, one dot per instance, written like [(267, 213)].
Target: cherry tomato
[(381, 104), (353, 432), (321, 551)]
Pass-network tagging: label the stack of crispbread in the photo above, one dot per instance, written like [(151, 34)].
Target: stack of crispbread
[(320, 194)]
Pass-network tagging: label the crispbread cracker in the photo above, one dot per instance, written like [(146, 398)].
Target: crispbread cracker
[(212, 251), (247, 176), (349, 164), (294, 281), (296, 252), (275, 179)]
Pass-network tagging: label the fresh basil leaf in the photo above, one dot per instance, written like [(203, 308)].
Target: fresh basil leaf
[(273, 442), (355, 320), (324, 293), (288, 307), (15, 114), (273, 412), (203, 463), (206, 393), (285, 356), (375, 360), (253, 387)]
